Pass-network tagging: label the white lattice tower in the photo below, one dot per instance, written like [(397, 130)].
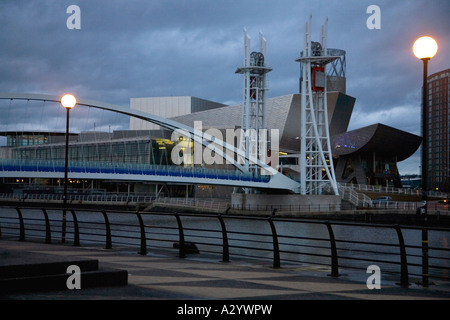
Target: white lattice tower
[(253, 137), (316, 160)]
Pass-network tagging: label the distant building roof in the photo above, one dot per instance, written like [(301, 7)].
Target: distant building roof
[(377, 138), (282, 113)]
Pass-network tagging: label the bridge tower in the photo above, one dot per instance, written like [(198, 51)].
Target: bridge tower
[(316, 160), (253, 137)]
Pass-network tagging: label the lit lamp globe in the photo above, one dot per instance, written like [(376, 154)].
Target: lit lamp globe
[(425, 48), (68, 101)]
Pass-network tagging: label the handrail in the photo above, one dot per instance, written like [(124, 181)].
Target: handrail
[(393, 190), (247, 241), (221, 204)]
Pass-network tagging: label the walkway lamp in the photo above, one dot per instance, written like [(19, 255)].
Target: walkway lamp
[(68, 101), (424, 49)]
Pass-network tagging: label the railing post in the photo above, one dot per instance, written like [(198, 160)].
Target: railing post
[(63, 227), (108, 231), (225, 249), (143, 250), (76, 230), (181, 249), (425, 282), (403, 260), (22, 225), (334, 256), (276, 248), (48, 235)]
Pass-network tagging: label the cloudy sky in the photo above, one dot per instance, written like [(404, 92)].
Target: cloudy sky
[(143, 48)]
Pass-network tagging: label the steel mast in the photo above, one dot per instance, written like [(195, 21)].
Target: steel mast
[(253, 137), (316, 160)]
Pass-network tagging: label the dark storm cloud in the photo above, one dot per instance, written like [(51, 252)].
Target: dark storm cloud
[(141, 48)]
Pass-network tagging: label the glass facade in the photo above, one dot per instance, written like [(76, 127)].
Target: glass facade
[(138, 151), (26, 140), (438, 131)]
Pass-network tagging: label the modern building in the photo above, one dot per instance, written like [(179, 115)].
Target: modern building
[(369, 155), (168, 107), (438, 134)]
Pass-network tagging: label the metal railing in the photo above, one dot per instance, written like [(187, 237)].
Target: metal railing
[(219, 204), (360, 200), (78, 197), (194, 203), (278, 240), (393, 190), (128, 168)]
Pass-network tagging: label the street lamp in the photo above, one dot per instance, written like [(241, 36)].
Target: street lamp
[(68, 101), (424, 49)]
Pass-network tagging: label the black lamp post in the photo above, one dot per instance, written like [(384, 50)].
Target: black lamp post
[(68, 101), (424, 49)]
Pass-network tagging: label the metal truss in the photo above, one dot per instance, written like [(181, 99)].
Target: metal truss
[(253, 138), (316, 160)]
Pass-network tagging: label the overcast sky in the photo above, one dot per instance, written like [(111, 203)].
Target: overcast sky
[(144, 48)]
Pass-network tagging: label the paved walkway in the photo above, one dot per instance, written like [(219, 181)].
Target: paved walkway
[(165, 276)]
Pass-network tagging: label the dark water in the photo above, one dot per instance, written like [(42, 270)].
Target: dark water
[(250, 239)]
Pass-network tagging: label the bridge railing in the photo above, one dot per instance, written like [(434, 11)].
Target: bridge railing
[(220, 204), (129, 168), (124, 198), (393, 190), (335, 246), (215, 204)]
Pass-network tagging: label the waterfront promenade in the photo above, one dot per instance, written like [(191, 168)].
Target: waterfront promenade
[(162, 275)]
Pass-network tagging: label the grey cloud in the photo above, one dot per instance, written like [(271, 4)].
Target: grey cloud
[(142, 48)]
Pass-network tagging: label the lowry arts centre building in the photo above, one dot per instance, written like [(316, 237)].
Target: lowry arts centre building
[(367, 156)]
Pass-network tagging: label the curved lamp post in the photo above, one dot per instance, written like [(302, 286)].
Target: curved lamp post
[(68, 101), (424, 49)]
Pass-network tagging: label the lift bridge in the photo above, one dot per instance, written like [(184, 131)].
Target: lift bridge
[(241, 177)]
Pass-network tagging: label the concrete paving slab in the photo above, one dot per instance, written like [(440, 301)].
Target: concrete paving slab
[(162, 275)]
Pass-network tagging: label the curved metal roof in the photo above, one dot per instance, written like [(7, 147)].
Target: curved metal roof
[(377, 138)]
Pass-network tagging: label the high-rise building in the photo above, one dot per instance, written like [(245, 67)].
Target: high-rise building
[(439, 131)]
